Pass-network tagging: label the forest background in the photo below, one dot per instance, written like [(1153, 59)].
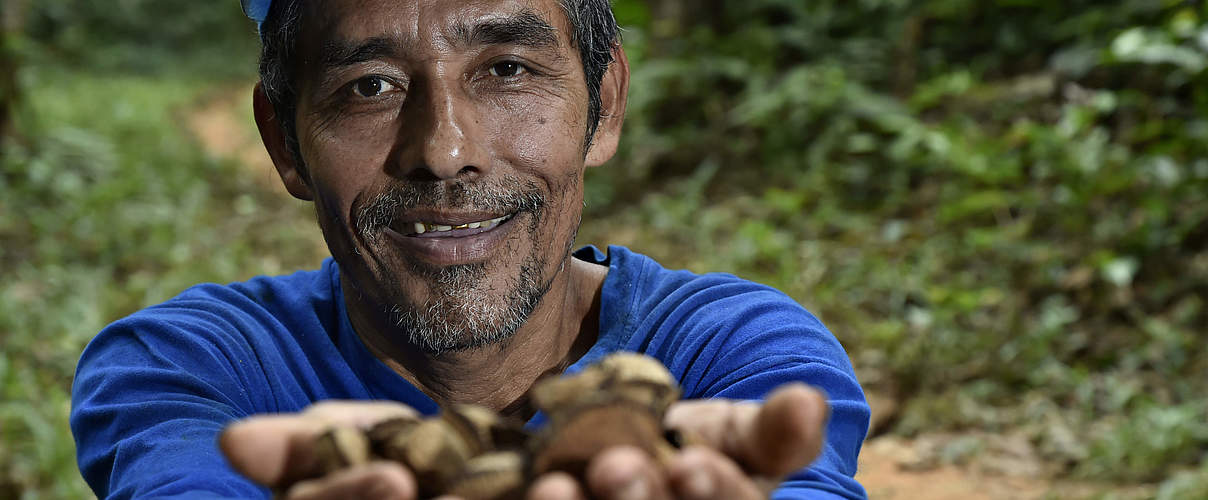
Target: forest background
[(999, 207)]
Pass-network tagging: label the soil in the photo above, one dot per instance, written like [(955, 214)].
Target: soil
[(885, 474), (224, 126)]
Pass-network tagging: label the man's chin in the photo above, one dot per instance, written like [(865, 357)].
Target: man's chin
[(464, 316), (437, 336), (465, 306)]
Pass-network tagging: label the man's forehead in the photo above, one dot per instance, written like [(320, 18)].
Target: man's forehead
[(423, 21)]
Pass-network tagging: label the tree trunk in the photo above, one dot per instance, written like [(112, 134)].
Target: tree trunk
[(12, 21)]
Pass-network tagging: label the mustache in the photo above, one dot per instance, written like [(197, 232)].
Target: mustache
[(385, 208)]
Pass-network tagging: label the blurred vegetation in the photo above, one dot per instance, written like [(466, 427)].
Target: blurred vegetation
[(1000, 207), (107, 203)]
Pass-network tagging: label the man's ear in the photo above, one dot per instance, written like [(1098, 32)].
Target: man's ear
[(614, 93), (273, 136)]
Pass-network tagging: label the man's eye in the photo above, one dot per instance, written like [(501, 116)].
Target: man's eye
[(507, 69), (372, 86)]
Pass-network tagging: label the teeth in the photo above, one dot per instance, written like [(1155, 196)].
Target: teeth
[(423, 227), (493, 222)]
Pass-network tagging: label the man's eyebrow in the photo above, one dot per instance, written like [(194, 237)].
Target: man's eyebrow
[(339, 53), (526, 28)]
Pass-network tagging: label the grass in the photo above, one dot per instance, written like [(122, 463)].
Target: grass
[(108, 206)]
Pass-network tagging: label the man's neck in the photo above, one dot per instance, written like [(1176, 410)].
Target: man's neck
[(560, 330)]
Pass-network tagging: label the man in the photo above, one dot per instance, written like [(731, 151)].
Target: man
[(443, 144)]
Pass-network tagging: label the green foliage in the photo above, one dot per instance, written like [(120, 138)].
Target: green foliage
[(1186, 484), (985, 200), (125, 212), (177, 37), (107, 205), (1143, 444)]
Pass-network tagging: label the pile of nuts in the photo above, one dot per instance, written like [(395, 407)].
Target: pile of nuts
[(471, 452)]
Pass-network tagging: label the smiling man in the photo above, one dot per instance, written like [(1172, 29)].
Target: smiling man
[(443, 144)]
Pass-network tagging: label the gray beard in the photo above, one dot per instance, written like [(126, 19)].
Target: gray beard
[(463, 314), (464, 311)]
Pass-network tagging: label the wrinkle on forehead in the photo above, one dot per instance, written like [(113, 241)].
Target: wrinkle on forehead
[(360, 19), (438, 24)]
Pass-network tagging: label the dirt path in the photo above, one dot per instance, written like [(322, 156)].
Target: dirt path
[(223, 124), (889, 467), (884, 474)]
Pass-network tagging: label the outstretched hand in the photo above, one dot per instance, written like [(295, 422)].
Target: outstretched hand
[(746, 449), (279, 451)]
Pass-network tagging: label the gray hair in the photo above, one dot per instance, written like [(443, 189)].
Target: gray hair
[(594, 33)]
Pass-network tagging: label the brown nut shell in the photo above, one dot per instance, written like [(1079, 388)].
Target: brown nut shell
[(388, 429), (340, 448), (492, 476), (622, 377), (571, 446), (484, 430), (433, 451)]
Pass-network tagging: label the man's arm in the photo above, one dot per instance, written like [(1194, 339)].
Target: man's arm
[(148, 401), (733, 339)]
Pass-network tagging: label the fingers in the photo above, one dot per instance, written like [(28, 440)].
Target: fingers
[(358, 413), (278, 450), (780, 436), (556, 486), (626, 473), (267, 449), (376, 481), (769, 440), (788, 431), (700, 473)]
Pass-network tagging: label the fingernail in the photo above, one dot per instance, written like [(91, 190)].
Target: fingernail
[(698, 484), (636, 489)]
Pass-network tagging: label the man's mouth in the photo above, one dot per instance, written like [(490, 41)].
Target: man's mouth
[(447, 239), (425, 229)]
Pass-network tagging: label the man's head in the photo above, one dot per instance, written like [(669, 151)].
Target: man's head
[(443, 143), (594, 34)]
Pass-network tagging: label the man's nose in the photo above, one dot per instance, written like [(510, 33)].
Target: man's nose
[(441, 135)]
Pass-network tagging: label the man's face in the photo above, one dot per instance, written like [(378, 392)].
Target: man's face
[(444, 142)]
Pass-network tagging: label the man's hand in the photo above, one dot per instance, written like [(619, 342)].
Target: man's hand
[(278, 451), (746, 450)]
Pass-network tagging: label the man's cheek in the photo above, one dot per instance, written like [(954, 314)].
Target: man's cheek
[(545, 148)]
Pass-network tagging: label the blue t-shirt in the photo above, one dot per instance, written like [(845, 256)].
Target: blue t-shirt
[(153, 391)]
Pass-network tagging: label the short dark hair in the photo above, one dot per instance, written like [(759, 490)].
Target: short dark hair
[(594, 32)]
